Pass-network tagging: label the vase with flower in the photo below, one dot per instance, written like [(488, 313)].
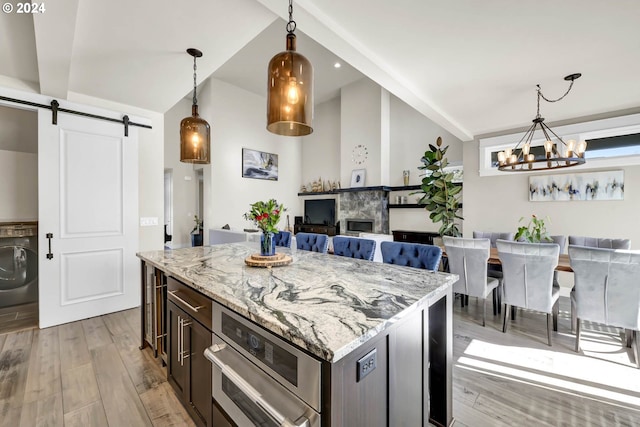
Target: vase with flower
[(266, 215)]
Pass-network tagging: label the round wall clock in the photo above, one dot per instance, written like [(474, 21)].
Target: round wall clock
[(359, 154)]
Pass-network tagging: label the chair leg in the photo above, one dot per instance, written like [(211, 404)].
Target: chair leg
[(555, 311), (574, 318), (636, 348), (513, 312), (495, 301), (577, 335), (484, 310), (505, 322), (466, 300), (462, 300), (499, 293), (628, 334), (549, 322)]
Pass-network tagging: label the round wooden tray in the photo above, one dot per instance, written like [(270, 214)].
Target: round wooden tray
[(277, 260)]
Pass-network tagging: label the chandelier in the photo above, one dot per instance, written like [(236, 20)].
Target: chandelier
[(557, 153), (290, 83)]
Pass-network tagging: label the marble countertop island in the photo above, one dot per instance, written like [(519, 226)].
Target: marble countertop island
[(327, 304)]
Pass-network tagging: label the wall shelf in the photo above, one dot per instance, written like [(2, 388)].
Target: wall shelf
[(405, 206), (352, 190)]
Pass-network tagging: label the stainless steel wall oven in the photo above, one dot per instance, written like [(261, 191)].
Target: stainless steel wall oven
[(258, 379)]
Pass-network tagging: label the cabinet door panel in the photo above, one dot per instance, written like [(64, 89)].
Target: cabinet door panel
[(200, 384), (176, 372)]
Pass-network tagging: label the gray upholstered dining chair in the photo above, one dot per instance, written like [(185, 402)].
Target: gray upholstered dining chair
[(493, 236), (415, 255), (354, 247), (312, 242), (595, 242), (606, 289), (468, 259), (528, 279), (599, 242)]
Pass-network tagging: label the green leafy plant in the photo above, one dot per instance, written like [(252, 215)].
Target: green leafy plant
[(265, 215), (440, 195), (198, 227), (534, 232)]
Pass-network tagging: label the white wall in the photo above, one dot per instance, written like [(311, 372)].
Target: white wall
[(238, 119), (411, 134), (184, 185), (18, 186), (321, 149)]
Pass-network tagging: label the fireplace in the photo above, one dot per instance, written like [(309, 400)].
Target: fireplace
[(359, 225)]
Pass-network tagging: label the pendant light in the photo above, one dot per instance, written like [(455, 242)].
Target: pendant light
[(290, 94), (195, 140)]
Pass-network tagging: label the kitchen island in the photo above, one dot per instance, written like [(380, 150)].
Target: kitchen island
[(380, 334)]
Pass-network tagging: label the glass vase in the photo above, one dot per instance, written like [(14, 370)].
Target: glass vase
[(267, 244)]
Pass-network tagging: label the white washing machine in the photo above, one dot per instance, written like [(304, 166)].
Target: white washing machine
[(18, 264)]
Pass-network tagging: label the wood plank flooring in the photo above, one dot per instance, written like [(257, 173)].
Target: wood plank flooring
[(91, 373), (85, 374)]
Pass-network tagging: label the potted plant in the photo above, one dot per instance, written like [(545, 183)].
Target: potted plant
[(534, 232), (440, 195), (266, 215), (196, 233)]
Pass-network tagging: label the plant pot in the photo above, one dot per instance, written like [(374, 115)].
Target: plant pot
[(196, 239), (267, 244)]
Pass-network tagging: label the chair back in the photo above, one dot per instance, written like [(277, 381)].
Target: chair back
[(353, 247), (528, 269), (493, 236), (561, 241), (597, 242), (312, 242), (283, 238), (411, 254), (468, 259), (606, 286)]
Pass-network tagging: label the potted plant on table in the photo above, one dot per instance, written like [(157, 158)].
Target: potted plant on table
[(266, 215), (534, 232), (440, 195), (196, 233)]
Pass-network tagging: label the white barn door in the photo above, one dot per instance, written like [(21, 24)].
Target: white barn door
[(88, 209)]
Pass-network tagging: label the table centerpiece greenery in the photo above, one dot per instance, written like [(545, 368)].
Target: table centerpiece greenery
[(534, 232)]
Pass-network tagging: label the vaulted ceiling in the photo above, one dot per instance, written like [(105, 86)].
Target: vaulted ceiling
[(470, 66)]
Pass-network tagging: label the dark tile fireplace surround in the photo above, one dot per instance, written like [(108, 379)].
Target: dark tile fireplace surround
[(363, 211)]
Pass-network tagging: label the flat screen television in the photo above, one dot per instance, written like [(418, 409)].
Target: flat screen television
[(320, 212)]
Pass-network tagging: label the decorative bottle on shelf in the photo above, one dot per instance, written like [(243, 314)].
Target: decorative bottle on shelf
[(405, 177), (267, 244)]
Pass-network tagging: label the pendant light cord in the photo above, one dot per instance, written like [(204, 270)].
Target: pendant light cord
[(291, 25), (195, 100)]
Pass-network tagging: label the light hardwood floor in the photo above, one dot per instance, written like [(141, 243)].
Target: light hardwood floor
[(91, 373)]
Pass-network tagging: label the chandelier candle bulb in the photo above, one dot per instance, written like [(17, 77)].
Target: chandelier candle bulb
[(501, 157), (582, 147), (570, 147), (525, 149)]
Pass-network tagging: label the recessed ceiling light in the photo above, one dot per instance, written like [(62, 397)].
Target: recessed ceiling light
[(337, 65)]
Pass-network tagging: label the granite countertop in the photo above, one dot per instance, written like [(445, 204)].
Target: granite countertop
[(326, 304)]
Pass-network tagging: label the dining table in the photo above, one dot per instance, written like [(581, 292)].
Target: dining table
[(494, 258)]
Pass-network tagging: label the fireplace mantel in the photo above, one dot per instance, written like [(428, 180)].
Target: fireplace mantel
[(357, 189)]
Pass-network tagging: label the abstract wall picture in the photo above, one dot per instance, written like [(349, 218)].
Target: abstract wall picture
[(607, 185), (259, 165)]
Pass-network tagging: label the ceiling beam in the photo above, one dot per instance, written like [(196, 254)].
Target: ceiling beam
[(54, 30)]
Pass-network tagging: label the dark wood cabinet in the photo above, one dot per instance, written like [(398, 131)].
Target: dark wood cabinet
[(330, 230), (424, 237), (188, 371)]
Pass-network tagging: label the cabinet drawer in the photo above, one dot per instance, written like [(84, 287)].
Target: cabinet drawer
[(191, 301)]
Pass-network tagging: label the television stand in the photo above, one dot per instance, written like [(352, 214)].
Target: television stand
[(330, 230)]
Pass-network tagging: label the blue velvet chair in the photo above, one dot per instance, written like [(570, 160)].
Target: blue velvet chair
[(283, 238), (411, 254), (353, 247), (312, 242)]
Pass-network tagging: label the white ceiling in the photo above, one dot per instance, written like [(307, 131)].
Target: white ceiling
[(471, 66)]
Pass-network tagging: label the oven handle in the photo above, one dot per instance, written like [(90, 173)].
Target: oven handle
[(251, 392)]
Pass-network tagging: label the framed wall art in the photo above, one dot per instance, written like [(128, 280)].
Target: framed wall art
[(606, 185), (357, 177), (259, 165)]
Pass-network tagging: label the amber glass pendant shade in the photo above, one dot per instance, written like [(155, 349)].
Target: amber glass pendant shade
[(195, 140), (290, 92)]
